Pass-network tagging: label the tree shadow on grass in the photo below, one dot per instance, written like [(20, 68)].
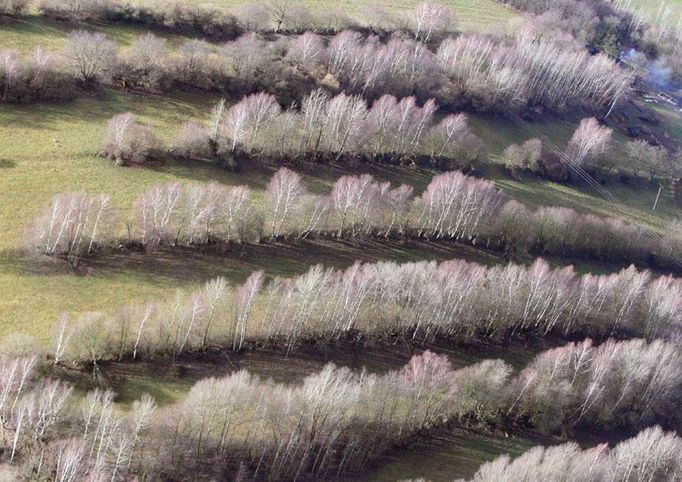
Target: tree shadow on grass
[(198, 264), (99, 107), (191, 265), (168, 380), (318, 177)]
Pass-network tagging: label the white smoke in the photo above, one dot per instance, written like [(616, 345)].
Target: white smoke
[(657, 71), (660, 74)]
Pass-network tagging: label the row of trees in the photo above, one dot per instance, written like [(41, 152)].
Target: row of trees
[(339, 420), (14, 8), (335, 421), (35, 77), (331, 128), (652, 455), (486, 72), (453, 207), (426, 21), (422, 300), (390, 130)]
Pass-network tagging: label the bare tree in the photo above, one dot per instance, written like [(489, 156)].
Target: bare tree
[(308, 51), (523, 157), (430, 20), (254, 17), (245, 298), (589, 140), (63, 336), (284, 193), (146, 65), (454, 205), (90, 54), (279, 11), (653, 159)]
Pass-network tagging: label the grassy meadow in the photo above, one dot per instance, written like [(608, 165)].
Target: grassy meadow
[(50, 149), (471, 14), (53, 148)]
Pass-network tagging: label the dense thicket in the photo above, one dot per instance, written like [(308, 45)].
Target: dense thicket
[(36, 77), (176, 16), (652, 455), (335, 421), (593, 22), (14, 8), (50, 434), (423, 300), (527, 69), (453, 206)]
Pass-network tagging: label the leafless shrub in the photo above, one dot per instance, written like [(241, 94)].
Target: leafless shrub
[(523, 157), (80, 10), (34, 77), (254, 17), (308, 51), (145, 66), (192, 142), (14, 8), (127, 141)]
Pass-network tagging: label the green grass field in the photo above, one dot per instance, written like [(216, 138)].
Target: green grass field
[(49, 149), (471, 14), (448, 457), (28, 33)]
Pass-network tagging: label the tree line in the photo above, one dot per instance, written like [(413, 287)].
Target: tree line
[(326, 128), (206, 21), (340, 421), (422, 300), (336, 421), (523, 70), (453, 207), (651, 455), (390, 130), (344, 127), (424, 22)]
